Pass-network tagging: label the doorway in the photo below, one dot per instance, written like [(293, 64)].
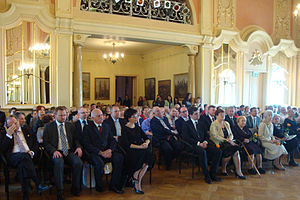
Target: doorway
[(125, 85)]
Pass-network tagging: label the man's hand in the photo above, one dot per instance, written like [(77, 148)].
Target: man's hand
[(30, 153), (57, 154), (78, 151), (144, 145), (10, 131), (106, 154)]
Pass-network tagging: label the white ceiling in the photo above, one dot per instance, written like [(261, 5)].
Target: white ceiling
[(121, 45)]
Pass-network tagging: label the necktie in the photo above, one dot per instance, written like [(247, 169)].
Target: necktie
[(164, 124), (20, 143), (196, 124), (84, 124), (100, 129), (254, 122), (63, 140), (118, 128)]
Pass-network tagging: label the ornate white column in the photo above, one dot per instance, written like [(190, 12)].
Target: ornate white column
[(191, 51), (77, 76)]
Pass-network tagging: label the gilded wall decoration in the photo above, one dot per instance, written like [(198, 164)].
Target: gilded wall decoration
[(225, 13), (282, 20)]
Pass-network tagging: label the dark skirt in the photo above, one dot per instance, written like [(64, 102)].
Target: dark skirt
[(228, 149), (291, 145), (253, 148), (135, 158)]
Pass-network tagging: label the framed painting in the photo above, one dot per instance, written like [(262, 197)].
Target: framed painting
[(181, 85), (102, 88), (164, 88), (150, 88), (86, 78)]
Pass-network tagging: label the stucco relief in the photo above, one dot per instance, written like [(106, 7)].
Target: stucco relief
[(225, 13), (282, 20)]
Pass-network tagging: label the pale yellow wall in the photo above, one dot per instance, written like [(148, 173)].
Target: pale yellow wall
[(161, 64)]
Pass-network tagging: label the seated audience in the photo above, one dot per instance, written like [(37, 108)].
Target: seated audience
[(41, 111), (146, 124), (2, 118), (81, 122), (290, 142), (176, 102), (184, 117), (206, 120), (115, 122), (98, 141), (282, 114), (230, 118), (194, 135), (241, 111), (20, 147), (127, 101), (61, 143), (140, 101), (273, 149), (164, 136), (172, 117), (40, 132), (168, 102), (136, 145), (158, 102), (243, 135), (187, 101), (291, 124), (221, 135)]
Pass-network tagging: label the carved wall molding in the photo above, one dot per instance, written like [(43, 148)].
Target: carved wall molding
[(282, 20), (225, 14)]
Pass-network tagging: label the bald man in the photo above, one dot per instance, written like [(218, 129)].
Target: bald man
[(99, 142)]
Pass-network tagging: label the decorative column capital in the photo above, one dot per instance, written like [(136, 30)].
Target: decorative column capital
[(191, 49), (79, 39)]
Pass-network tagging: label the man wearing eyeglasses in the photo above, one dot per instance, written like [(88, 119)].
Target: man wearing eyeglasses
[(61, 143)]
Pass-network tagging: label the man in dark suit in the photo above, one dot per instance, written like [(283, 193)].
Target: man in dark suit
[(115, 122), (179, 123), (100, 144), (20, 147), (2, 118), (164, 136), (198, 143), (230, 118), (61, 143), (253, 120), (206, 120), (241, 111), (81, 122)]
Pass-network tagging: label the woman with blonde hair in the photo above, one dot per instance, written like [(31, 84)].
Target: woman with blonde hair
[(273, 148)]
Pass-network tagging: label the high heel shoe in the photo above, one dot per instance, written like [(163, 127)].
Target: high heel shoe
[(240, 177), (134, 187), (278, 168)]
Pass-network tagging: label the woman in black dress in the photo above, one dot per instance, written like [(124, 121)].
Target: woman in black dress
[(138, 153), (243, 134), (291, 124), (283, 135)]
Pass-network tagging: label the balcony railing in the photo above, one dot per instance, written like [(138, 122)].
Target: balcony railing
[(164, 10)]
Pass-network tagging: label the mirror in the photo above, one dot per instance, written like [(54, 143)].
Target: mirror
[(27, 64)]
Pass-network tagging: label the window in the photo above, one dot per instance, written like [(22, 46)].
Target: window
[(278, 86), (227, 87)]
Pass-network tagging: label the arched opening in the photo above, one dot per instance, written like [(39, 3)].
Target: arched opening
[(227, 81), (278, 87)]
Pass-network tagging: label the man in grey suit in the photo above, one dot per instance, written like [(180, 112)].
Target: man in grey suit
[(61, 143), (253, 120)]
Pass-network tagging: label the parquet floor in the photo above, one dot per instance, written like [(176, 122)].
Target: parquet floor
[(283, 185)]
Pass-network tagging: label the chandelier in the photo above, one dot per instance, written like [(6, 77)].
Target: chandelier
[(41, 48), (113, 56), (297, 10)]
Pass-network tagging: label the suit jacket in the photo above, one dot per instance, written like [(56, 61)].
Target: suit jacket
[(231, 123), (93, 142), (79, 130), (51, 135), (112, 126), (179, 124), (206, 121), (239, 113), (250, 123), (216, 132), (240, 134), (192, 135), (7, 144), (2, 118), (160, 133)]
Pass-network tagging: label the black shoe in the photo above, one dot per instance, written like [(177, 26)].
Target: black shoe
[(129, 183), (224, 174), (99, 189), (252, 171), (60, 196), (208, 180), (216, 179), (75, 192), (240, 177), (138, 191), (293, 164), (116, 190), (261, 170), (41, 188)]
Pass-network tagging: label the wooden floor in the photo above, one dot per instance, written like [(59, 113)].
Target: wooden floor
[(283, 185)]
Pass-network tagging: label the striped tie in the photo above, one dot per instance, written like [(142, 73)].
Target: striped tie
[(63, 140)]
